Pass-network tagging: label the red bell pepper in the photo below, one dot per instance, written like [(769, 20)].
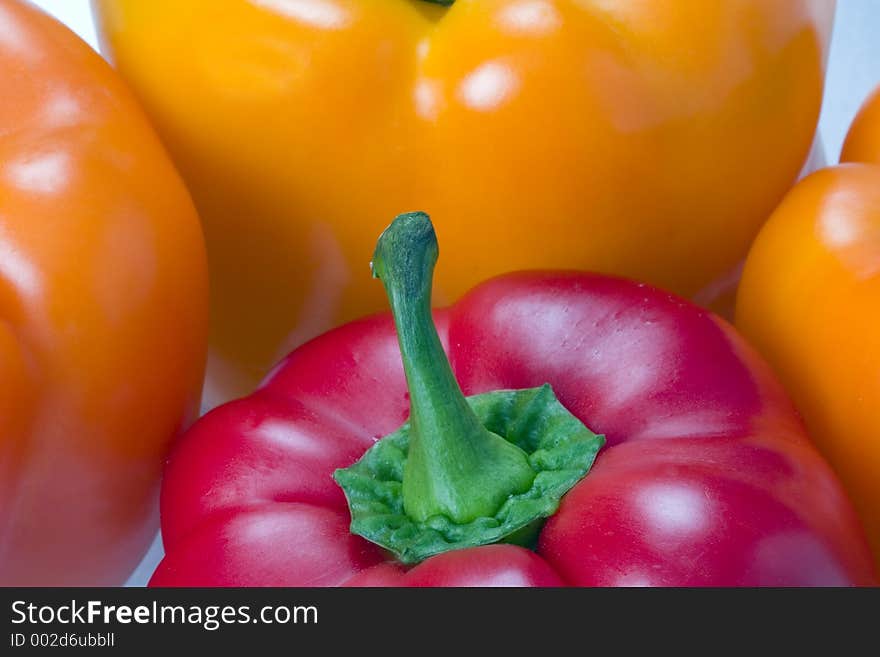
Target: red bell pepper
[(706, 477)]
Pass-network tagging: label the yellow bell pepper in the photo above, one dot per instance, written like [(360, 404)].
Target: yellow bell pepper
[(637, 138)]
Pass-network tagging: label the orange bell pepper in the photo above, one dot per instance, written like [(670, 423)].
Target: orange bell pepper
[(103, 294), (862, 142), (638, 138), (810, 301)]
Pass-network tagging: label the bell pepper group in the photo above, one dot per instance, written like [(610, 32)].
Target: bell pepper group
[(644, 139), (558, 400), (707, 476)]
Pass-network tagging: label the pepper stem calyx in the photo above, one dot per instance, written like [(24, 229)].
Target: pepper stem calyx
[(462, 471)]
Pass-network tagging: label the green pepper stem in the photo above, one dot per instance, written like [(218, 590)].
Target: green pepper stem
[(445, 3), (455, 466)]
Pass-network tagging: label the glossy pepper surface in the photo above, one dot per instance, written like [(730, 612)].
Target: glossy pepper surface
[(103, 294), (810, 301), (647, 139), (707, 476)]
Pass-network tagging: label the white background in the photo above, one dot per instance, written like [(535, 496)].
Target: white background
[(853, 71)]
